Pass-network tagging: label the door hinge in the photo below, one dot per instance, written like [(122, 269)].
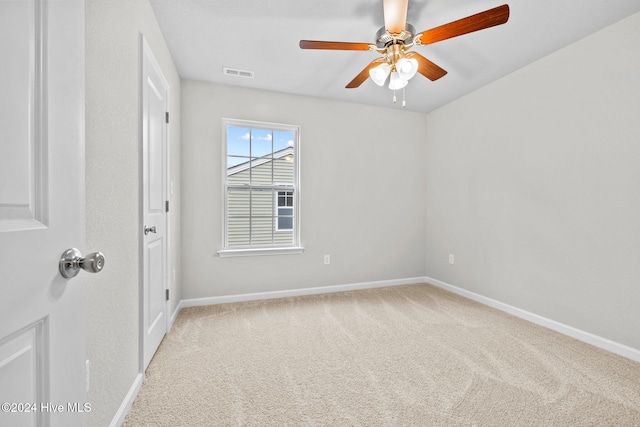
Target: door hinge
[(167, 291), (167, 117), (166, 206)]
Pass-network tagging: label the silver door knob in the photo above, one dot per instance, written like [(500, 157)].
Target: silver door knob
[(72, 261), (148, 229)]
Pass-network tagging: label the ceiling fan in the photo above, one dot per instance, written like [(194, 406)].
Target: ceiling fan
[(395, 40)]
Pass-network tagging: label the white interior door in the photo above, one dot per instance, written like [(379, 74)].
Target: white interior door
[(42, 335), (155, 93)]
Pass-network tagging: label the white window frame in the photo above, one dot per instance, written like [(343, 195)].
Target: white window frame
[(274, 249)]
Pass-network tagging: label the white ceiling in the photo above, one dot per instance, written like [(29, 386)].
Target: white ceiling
[(262, 36)]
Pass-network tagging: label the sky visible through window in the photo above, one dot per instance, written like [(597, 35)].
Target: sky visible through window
[(244, 143)]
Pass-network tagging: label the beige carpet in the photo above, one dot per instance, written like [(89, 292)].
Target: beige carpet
[(400, 356)]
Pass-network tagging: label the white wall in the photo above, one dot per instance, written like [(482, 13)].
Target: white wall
[(533, 183), (113, 196), (362, 182)]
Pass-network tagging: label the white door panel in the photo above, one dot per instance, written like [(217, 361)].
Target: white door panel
[(21, 119), (42, 335), (155, 306), (22, 365)]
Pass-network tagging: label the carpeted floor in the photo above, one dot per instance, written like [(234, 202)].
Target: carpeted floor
[(399, 356)]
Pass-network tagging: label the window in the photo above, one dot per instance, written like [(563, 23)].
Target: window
[(261, 188)]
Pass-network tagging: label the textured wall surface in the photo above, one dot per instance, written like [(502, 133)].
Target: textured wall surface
[(532, 183), (113, 150), (362, 192)]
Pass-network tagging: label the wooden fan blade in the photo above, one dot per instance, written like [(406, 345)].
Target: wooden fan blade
[(427, 68), (395, 15), (487, 19), (364, 74), (317, 44)]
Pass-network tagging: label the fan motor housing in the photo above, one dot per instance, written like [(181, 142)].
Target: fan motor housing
[(385, 39)]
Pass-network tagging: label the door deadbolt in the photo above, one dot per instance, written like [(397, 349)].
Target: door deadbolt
[(72, 261)]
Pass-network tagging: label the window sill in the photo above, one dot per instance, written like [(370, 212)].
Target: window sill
[(260, 251)]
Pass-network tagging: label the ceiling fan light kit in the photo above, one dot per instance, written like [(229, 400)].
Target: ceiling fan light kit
[(395, 82), (407, 68), (380, 73), (397, 37)]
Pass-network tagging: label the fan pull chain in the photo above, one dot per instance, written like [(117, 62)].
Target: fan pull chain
[(404, 102), (394, 96)]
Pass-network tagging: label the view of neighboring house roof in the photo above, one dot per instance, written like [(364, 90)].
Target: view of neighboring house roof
[(259, 161)]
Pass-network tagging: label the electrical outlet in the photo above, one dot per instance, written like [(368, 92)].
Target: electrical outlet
[(451, 259), (327, 259)]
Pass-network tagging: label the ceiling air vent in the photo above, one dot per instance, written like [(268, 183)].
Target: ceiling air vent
[(237, 73)]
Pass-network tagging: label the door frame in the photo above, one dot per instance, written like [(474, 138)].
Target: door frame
[(145, 50)]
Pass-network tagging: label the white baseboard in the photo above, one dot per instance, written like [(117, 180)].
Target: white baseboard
[(297, 292), (589, 338), (118, 419)]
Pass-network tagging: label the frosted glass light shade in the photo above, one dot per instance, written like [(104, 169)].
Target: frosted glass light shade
[(407, 68), (396, 81), (379, 74)]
